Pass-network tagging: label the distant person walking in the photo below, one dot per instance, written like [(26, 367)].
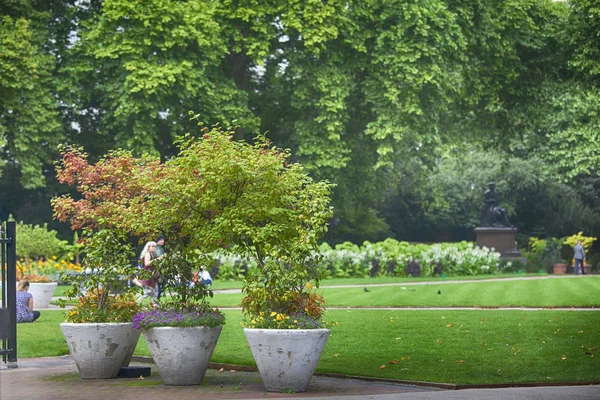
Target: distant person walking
[(24, 299), (147, 256), (579, 256)]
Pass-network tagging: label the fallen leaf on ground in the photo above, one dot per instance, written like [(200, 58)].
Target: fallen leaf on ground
[(450, 325), (460, 361), (382, 367), (222, 369)]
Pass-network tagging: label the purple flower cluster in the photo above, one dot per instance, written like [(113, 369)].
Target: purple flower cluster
[(158, 317)]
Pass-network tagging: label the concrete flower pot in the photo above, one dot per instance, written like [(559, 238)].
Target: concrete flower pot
[(182, 354), (286, 358), (133, 340), (42, 293), (99, 349), (559, 268)]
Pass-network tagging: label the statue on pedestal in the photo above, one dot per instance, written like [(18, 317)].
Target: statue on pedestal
[(491, 213)]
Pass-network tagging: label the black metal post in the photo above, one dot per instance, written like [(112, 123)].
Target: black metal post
[(5, 316), (11, 288)]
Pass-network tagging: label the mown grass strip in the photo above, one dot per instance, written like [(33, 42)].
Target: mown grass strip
[(567, 292)]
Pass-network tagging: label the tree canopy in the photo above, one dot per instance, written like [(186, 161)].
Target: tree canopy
[(389, 100)]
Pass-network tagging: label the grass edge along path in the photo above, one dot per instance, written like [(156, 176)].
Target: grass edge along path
[(448, 346)]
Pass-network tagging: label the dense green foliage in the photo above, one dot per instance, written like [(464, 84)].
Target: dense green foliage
[(37, 241), (217, 193), (409, 107)]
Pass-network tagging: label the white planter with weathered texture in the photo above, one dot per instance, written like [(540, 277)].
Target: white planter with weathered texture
[(182, 354), (286, 358), (99, 349), (133, 340), (42, 293)]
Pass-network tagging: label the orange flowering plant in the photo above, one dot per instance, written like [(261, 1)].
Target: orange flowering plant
[(96, 306)]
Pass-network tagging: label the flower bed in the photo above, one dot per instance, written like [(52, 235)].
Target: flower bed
[(387, 258)]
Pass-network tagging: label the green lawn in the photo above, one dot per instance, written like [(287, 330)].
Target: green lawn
[(565, 292), (219, 284), (466, 347), (453, 346)]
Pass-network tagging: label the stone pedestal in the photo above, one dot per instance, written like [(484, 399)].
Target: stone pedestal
[(503, 240)]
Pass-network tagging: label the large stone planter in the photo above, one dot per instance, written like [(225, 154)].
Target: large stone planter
[(42, 293), (99, 349), (133, 340), (182, 354), (286, 358)]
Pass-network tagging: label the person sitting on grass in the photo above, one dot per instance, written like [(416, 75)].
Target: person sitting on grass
[(25, 311), (203, 277)]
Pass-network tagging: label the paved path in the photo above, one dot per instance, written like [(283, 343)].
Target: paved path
[(57, 378)]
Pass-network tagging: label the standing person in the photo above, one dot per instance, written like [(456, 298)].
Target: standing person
[(159, 252), (147, 256), (579, 256), (24, 299)]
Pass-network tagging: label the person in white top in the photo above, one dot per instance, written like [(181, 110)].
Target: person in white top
[(205, 278)]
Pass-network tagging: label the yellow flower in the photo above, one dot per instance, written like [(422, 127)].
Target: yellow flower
[(273, 314), (309, 285)]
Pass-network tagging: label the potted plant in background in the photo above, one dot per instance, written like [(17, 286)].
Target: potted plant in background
[(549, 253), (98, 329), (37, 253)]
